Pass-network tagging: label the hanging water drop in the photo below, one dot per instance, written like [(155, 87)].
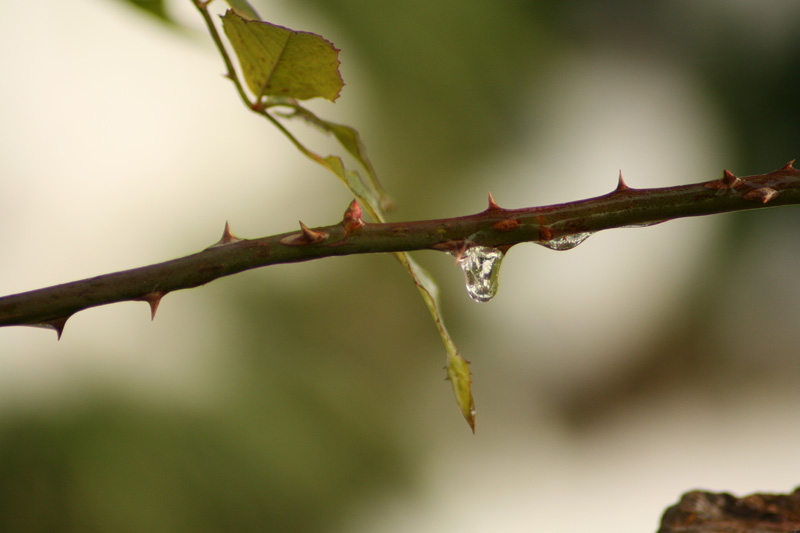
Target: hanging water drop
[(567, 242), (481, 266)]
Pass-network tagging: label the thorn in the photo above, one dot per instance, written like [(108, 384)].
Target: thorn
[(311, 235), (763, 195), (621, 185), (153, 299), (729, 180), (788, 166), (227, 237), (352, 217), (305, 237), (493, 205), (56, 324)]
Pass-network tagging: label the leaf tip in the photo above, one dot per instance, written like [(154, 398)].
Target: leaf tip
[(459, 374)]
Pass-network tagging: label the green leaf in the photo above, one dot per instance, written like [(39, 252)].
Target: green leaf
[(277, 61), (244, 9), (287, 65), (350, 139), (457, 367)]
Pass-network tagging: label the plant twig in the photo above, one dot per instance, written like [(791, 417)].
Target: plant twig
[(555, 226)]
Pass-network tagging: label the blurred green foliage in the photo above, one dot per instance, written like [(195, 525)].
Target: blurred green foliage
[(330, 378)]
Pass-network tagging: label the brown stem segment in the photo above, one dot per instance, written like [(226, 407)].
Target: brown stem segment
[(496, 227)]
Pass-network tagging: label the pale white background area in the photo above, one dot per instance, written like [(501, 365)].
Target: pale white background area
[(122, 145)]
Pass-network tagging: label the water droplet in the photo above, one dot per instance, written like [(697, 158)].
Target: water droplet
[(481, 266), (567, 242), (644, 224)]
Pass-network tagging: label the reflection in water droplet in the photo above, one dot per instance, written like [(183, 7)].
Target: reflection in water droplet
[(567, 242), (481, 266)]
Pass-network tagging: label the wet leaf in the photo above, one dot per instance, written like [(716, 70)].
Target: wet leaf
[(277, 61)]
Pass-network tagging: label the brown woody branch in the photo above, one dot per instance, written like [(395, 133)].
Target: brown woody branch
[(494, 227)]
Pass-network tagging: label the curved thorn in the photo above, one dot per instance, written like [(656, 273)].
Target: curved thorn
[(493, 205), (312, 236), (153, 299), (56, 324)]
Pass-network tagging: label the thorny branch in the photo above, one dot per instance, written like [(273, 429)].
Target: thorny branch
[(495, 227)]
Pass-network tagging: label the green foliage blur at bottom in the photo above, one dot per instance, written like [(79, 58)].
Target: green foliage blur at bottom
[(124, 469)]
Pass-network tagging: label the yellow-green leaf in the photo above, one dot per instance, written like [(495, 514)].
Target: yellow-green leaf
[(277, 61), (457, 367)]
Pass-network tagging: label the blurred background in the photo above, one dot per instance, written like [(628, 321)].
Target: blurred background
[(608, 379)]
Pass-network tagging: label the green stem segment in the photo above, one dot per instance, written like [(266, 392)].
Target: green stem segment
[(494, 227)]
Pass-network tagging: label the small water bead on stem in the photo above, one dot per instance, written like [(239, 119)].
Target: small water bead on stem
[(481, 266), (643, 224), (567, 242)]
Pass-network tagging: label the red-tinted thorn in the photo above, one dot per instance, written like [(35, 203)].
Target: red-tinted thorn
[(305, 237), (728, 181), (352, 217), (763, 195), (153, 299), (788, 166), (621, 185), (493, 205)]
